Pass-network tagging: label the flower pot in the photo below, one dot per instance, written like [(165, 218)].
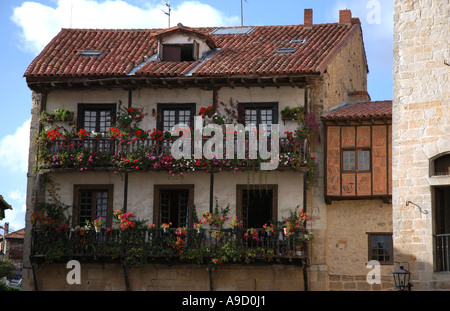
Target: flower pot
[(97, 229), (298, 250), (199, 230), (165, 230)]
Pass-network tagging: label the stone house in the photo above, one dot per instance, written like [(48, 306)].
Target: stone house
[(11, 244), (421, 141), (90, 82)]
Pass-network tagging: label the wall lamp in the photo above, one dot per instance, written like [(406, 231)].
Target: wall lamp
[(421, 210), (402, 278)]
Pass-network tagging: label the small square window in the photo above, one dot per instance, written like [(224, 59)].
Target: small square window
[(358, 160), (380, 247)]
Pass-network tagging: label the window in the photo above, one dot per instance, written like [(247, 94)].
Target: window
[(180, 52), (92, 202), (356, 160), (96, 117), (256, 206), (259, 113), (174, 204), (171, 114), (441, 165), (380, 247), (441, 211)]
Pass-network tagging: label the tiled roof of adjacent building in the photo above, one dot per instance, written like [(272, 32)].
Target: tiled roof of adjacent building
[(253, 53), (361, 110), (19, 234)]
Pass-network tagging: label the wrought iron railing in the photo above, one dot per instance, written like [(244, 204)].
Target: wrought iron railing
[(205, 246), (442, 244), (115, 146)]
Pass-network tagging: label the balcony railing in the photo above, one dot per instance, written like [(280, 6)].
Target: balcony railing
[(116, 146), (104, 152), (442, 242), (140, 246)]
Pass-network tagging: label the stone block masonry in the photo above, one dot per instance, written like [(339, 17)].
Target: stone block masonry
[(421, 131)]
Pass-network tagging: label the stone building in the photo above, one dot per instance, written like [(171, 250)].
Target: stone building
[(92, 81), (421, 141), (11, 244)]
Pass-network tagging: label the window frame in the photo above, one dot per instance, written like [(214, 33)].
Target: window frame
[(95, 107), (258, 106), (157, 207), (179, 48), (94, 188), (370, 249), (356, 169), (161, 107), (239, 199)]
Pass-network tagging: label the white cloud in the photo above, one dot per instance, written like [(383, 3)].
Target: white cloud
[(14, 149), (40, 23)]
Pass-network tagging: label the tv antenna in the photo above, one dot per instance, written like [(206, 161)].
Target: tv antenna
[(167, 4), (242, 13)]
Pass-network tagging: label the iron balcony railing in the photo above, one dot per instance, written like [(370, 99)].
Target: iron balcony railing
[(116, 146), (442, 244), (205, 246)]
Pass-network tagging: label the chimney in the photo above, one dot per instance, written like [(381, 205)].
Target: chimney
[(6, 229), (345, 17), (308, 22), (359, 97)]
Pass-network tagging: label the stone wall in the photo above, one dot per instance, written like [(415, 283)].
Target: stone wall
[(421, 130), (347, 73), (348, 225), (162, 277)]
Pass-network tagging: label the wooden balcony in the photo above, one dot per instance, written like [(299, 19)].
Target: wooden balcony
[(134, 247)]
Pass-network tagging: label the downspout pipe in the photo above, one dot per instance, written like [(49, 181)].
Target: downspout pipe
[(305, 262)]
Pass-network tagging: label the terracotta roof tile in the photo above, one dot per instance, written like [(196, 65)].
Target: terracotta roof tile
[(243, 54), (19, 234), (363, 110)]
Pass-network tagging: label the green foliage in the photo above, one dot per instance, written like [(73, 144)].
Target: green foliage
[(7, 269)]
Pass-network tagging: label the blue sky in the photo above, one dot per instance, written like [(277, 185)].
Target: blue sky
[(27, 26)]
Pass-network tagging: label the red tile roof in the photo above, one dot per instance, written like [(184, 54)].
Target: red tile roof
[(243, 54), (364, 110), (19, 234)]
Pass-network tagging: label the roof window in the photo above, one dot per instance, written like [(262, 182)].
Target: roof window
[(286, 50), (232, 31), (90, 53), (302, 41)]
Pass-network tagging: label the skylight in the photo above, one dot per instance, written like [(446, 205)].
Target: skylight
[(286, 51), (298, 41), (232, 31), (89, 53)]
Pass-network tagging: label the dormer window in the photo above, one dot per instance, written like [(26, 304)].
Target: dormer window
[(183, 44), (180, 52)]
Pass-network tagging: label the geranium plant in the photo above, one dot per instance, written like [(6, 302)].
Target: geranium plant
[(269, 228)]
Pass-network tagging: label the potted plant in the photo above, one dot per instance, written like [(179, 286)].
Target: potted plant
[(98, 224), (198, 226), (269, 229), (296, 113), (82, 134), (166, 226), (113, 132), (67, 135), (97, 135), (235, 223)]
